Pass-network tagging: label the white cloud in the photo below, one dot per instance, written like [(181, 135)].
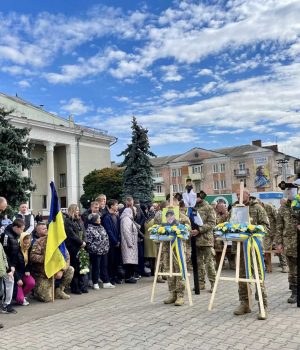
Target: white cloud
[(171, 73), (24, 84), (75, 106), (177, 95), (173, 135)]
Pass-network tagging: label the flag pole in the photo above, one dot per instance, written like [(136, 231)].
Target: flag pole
[(53, 289)]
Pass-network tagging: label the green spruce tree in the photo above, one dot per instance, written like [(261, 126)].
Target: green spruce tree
[(15, 150), (138, 180)]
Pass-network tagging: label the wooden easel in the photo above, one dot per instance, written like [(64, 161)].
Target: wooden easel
[(237, 278), (170, 273)]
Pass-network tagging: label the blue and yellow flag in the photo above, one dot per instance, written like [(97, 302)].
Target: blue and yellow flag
[(56, 256)]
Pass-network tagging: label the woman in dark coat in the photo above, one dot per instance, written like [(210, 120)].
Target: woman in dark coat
[(75, 241)]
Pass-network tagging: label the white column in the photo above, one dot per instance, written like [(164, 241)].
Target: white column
[(50, 169), (72, 190)]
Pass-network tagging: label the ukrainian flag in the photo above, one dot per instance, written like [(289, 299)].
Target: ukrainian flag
[(55, 259)]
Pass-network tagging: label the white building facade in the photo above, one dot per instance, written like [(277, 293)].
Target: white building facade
[(69, 152)]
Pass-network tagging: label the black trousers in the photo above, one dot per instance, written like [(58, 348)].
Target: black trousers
[(114, 260), (99, 268), (129, 270)]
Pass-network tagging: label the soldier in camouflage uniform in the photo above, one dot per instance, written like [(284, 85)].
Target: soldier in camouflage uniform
[(258, 216), (43, 285), (222, 215), (176, 284), (205, 242), (269, 237), (286, 238)]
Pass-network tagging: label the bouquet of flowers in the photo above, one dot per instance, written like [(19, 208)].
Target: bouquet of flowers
[(168, 232), (229, 230), (84, 261), (296, 202)]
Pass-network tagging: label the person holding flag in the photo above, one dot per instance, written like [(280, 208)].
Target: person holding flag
[(49, 256)]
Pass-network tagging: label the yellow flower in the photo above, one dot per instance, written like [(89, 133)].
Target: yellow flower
[(221, 225), (224, 229), (251, 227), (161, 230), (177, 231), (174, 228), (235, 226)]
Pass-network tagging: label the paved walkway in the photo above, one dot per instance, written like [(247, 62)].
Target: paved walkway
[(124, 318)]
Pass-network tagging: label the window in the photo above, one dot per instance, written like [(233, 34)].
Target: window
[(215, 168), (242, 166), (174, 172), (179, 172), (196, 169), (63, 202), (158, 189), (180, 188), (198, 186), (222, 184), (175, 188), (62, 181), (44, 204), (222, 167), (157, 174), (216, 185)]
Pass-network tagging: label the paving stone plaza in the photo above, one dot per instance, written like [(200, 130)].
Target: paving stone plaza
[(124, 318)]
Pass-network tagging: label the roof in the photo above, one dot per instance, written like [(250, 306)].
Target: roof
[(26, 110), (159, 161), (241, 150)]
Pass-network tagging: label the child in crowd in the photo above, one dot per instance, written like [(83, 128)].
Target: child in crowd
[(98, 247)]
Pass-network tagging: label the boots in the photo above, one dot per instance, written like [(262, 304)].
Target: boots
[(160, 279), (171, 299), (211, 286), (202, 285), (242, 309), (293, 298), (260, 316), (60, 293), (179, 301)]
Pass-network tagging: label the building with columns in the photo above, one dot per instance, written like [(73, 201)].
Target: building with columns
[(69, 151)]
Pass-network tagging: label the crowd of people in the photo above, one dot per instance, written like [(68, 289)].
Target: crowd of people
[(113, 239)]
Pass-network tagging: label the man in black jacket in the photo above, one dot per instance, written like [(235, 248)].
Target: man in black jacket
[(9, 240)]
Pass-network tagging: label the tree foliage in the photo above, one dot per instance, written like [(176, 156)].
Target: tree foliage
[(138, 181), (107, 181), (15, 150)]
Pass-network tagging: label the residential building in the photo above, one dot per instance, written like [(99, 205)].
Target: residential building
[(220, 171)]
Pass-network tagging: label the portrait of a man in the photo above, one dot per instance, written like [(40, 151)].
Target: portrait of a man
[(170, 216)]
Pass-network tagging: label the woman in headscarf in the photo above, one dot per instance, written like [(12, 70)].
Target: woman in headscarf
[(129, 244)]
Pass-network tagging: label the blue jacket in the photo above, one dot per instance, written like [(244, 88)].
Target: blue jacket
[(111, 229)]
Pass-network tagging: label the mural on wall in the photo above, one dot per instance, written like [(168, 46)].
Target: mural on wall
[(262, 172)]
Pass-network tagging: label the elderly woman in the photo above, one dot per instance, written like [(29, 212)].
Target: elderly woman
[(76, 240), (129, 244)]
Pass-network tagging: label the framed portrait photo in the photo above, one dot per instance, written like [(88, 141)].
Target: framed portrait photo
[(240, 215), (170, 216)]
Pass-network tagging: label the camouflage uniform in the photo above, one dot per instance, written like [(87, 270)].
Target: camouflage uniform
[(43, 285), (176, 284), (205, 243), (219, 244), (258, 216), (286, 235), (269, 237)]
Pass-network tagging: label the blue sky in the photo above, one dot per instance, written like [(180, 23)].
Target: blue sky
[(195, 73)]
